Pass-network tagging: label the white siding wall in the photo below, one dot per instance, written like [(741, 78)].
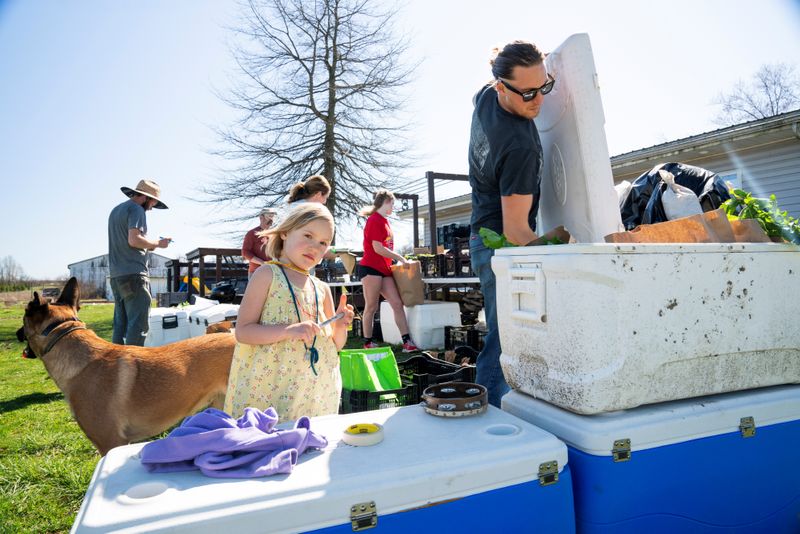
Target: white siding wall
[(764, 170)]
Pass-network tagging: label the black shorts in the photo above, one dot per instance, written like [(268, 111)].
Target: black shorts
[(363, 270)]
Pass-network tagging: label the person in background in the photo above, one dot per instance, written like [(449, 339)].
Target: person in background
[(505, 167), (283, 358), (128, 247), (253, 247), (375, 271), (315, 188)]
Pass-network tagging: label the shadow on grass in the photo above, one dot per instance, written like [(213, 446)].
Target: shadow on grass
[(26, 400)]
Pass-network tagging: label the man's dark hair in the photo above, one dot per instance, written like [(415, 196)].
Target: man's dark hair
[(514, 54)]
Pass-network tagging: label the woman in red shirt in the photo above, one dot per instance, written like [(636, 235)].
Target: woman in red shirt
[(375, 269)]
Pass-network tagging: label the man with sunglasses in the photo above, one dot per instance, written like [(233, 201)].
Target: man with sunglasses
[(253, 248), (505, 164)]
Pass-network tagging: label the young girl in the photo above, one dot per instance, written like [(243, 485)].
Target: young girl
[(283, 358), (375, 269)]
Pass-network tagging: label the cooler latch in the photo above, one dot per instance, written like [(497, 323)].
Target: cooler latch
[(363, 516), (622, 450), (548, 473), (747, 426)]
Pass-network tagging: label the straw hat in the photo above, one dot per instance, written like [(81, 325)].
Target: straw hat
[(268, 211), (147, 188)]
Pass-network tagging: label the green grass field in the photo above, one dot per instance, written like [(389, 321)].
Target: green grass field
[(46, 462)]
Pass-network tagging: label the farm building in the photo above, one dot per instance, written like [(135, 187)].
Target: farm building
[(92, 274)]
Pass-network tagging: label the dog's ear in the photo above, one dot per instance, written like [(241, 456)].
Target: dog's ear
[(71, 294), (37, 301)]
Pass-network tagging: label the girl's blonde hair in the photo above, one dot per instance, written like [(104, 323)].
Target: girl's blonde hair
[(310, 187), (381, 196), (298, 217)]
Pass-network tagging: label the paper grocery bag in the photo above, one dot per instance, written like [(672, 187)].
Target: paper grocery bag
[(709, 227), (408, 278)]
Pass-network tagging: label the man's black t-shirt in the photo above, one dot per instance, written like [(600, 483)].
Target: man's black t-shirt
[(505, 158)]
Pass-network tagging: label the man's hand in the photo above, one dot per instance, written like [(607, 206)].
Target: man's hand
[(164, 242)]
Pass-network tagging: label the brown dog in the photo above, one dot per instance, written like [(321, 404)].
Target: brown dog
[(119, 394)]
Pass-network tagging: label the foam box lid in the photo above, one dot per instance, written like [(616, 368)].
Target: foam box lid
[(577, 188)]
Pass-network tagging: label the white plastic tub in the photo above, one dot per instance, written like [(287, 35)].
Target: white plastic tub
[(426, 323), (167, 325), (595, 328), (202, 319), (462, 474)]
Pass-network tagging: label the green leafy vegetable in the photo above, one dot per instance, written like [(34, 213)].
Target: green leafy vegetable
[(776, 223), (493, 240)]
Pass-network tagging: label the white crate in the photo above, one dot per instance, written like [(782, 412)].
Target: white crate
[(596, 328), (426, 323), (444, 473), (167, 325), (201, 319)]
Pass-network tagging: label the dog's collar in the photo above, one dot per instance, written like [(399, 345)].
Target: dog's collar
[(60, 334)]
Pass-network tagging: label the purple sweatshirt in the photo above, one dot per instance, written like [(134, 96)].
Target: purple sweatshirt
[(223, 447)]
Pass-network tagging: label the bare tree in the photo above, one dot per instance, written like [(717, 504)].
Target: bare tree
[(774, 89), (321, 96), (10, 271)]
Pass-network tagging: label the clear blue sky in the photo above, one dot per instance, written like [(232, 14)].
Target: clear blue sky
[(98, 94)]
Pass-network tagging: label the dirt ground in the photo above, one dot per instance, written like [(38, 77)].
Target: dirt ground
[(11, 298)]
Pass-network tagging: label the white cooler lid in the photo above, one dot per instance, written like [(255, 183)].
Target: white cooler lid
[(655, 425), (157, 314), (423, 459), (577, 188), (216, 313)]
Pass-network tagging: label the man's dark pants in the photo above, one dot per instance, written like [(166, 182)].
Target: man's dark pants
[(489, 372), (131, 308)]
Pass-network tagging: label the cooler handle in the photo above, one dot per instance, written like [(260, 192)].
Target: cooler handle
[(527, 294)]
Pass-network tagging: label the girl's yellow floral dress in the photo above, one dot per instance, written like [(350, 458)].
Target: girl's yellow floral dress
[(279, 374)]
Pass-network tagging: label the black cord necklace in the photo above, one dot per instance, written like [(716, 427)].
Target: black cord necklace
[(311, 353)]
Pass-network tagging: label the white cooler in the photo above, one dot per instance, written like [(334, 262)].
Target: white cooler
[(426, 323), (723, 463), (484, 473), (201, 319), (595, 328), (167, 325)]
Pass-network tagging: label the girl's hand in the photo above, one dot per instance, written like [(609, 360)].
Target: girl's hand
[(304, 331), (347, 310)]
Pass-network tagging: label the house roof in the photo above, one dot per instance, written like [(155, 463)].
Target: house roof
[(106, 255), (712, 143)]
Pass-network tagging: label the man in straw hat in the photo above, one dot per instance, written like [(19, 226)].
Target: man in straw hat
[(253, 247), (128, 245)]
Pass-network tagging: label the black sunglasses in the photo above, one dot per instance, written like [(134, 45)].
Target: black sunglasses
[(530, 94)]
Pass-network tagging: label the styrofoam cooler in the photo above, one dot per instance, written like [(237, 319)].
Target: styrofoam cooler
[(167, 325), (595, 328), (426, 323), (202, 319), (723, 463), (463, 474)]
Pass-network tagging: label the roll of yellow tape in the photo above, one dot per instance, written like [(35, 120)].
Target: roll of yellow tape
[(363, 434)]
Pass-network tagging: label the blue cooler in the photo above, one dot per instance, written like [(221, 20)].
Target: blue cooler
[(722, 463), (486, 473)]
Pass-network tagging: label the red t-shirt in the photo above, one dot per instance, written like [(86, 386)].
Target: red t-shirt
[(252, 247), (377, 229)]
